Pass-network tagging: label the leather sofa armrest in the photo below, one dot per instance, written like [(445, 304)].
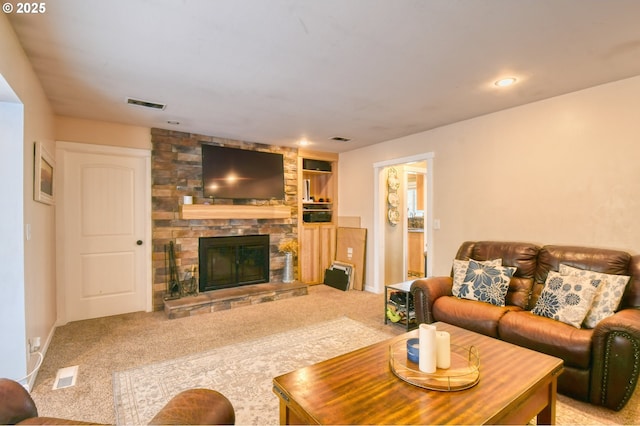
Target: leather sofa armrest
[(425, 291), (616, 358), (15, 403), (196, 407)]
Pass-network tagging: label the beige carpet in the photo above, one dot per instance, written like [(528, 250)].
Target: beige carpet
[(103, 346), (242, 372)]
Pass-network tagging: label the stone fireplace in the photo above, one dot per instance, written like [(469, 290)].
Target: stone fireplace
[(233, 261), (176, 172)]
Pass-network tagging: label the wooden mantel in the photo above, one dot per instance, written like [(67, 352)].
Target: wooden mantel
[(225, 211)]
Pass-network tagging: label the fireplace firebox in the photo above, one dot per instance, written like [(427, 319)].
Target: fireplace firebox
[(233, 261)]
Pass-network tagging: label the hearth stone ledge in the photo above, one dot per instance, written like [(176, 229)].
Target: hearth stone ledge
[(229, 298)]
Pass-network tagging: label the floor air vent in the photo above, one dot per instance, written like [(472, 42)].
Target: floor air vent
[(66, 377)]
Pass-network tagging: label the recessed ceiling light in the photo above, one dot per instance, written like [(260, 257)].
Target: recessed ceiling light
[(303, 142), (504, 82)]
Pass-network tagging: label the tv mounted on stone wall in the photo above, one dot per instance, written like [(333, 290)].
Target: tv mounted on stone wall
[(242, 174)]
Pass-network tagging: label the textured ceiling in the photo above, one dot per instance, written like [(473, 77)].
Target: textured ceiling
[(276, 71)]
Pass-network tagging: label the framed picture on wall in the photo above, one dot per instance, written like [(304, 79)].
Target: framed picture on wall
[(43, 167)]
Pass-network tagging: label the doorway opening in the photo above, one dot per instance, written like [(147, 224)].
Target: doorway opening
[(399, 213), (415, 259), (13, 309)]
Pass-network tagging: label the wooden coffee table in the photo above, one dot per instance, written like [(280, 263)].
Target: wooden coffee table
[(516, 385)]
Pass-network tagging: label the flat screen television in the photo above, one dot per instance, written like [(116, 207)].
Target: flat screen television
[(242, 174)]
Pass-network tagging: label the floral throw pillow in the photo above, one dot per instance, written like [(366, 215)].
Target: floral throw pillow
[(566, 298), (608, 295), (460, 272), (486, 283)]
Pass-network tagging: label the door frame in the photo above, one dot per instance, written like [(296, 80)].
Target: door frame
[(86, 148), (379, 214)]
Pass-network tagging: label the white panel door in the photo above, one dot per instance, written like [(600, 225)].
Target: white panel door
[(105, 252)]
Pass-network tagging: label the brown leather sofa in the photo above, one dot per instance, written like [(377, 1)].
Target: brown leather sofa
[(602, 364), (190, 407)]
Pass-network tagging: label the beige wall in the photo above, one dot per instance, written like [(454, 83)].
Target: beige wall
[(32, 305), (393, 238), (71, 129), (560, 171)]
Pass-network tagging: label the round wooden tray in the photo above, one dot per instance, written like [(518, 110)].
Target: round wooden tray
[(463, 373)]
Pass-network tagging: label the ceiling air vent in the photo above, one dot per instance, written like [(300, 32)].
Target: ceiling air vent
[(340, 139), (146, 104)]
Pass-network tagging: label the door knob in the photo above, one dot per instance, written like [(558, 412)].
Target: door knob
[(139, 242)]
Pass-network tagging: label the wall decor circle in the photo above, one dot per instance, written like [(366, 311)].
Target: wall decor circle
[(393, 199)]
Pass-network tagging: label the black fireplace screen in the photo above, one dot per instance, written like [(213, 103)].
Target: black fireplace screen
[(233, 261)]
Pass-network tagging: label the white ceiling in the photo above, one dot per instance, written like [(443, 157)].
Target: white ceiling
[(276, 71)]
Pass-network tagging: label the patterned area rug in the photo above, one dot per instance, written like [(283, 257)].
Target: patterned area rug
[(242, 372)]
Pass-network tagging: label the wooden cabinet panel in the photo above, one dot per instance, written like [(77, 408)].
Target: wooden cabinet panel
[(309, 241), (416, 253), (317, 251), (326, 248)]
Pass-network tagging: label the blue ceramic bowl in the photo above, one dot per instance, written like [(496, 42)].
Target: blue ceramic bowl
[(413, 350)]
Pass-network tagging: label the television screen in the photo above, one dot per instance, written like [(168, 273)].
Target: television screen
[(239, 173)]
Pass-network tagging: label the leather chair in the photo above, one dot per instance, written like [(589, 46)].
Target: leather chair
[(190, 407)]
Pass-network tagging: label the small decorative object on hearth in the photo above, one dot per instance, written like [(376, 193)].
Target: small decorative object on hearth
[(289, 248), (287, 275), (173, 283), (190, 283)]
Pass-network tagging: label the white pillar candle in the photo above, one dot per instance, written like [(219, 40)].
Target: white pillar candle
[(187, 199), (443, 351), (427, 357)]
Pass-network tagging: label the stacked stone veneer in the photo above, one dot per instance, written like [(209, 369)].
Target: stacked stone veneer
[(177, 171)]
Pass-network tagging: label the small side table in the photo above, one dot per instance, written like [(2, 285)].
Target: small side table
[(404, 287)]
